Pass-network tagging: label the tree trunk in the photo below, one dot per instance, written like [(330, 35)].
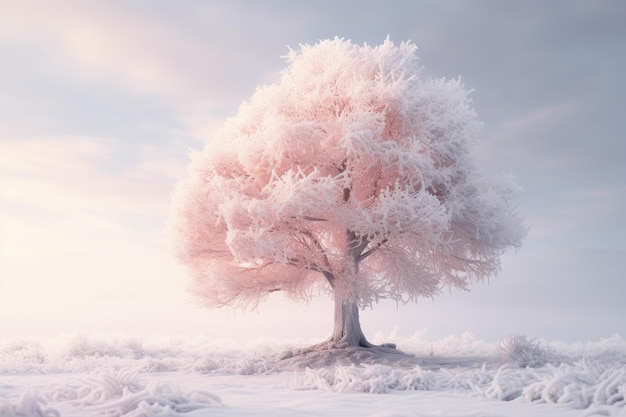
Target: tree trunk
[(347, 327)]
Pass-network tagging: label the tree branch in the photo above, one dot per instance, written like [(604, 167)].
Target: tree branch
[(372, 250), (314, 219), (307, 239), (356, 244), (330, 277)]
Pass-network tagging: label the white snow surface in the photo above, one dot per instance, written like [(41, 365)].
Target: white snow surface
[(459, 376)]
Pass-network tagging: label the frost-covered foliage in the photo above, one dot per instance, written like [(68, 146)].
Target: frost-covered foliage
[(30, 404), (123, 393), (378, 379), (523, 351), (580, 385), (451, 346), (115, 376), (81, 353), (354, 173), (106, 392)]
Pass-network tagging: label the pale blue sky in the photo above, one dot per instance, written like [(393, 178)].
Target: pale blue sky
[(100, 103)]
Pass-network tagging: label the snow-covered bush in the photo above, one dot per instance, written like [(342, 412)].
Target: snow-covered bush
[(124, 393), (30, 404), (524, 352)]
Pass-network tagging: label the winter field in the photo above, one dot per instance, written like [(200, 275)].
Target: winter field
[(81, 375)]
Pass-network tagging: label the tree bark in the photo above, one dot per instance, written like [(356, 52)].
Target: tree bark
[(347, 327)]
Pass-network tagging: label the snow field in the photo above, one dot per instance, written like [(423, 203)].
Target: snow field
[(80, 375)]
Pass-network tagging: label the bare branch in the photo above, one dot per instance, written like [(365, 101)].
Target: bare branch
[(330, 277), (319, 246), (356, 244), (314, 219), (372, 250)]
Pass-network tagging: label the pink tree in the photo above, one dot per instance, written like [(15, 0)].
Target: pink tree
[(353, 175)]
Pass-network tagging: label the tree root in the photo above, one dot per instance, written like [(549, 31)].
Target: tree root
[(333, 353)]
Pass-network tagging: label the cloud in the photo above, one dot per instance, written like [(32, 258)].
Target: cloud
[(63, 195), (81, 232), (59, 157), (189, 56), (105, 42), (579, 218), (90, 65)]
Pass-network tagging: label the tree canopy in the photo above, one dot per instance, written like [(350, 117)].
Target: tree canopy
[(354, 174)]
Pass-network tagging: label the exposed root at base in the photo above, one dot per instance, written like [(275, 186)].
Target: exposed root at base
[(333, 344), (331, 353)]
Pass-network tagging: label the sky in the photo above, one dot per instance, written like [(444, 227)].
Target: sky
[(102, 102)]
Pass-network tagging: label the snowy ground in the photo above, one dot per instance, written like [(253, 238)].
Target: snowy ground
[(86, 376)]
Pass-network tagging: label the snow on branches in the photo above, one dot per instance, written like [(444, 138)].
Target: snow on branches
[(353, 172)]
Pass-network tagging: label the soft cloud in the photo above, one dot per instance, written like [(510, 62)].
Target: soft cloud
[(102, 40), (81, 232), (69, 194), (58, 157), (583, 218), (539, 118), (185, 59)]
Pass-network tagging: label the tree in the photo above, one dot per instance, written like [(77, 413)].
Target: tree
[(352, 175)]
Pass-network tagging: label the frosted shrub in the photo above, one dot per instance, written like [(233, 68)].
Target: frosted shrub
[(524, 352), (124, 393), (30, 404)]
